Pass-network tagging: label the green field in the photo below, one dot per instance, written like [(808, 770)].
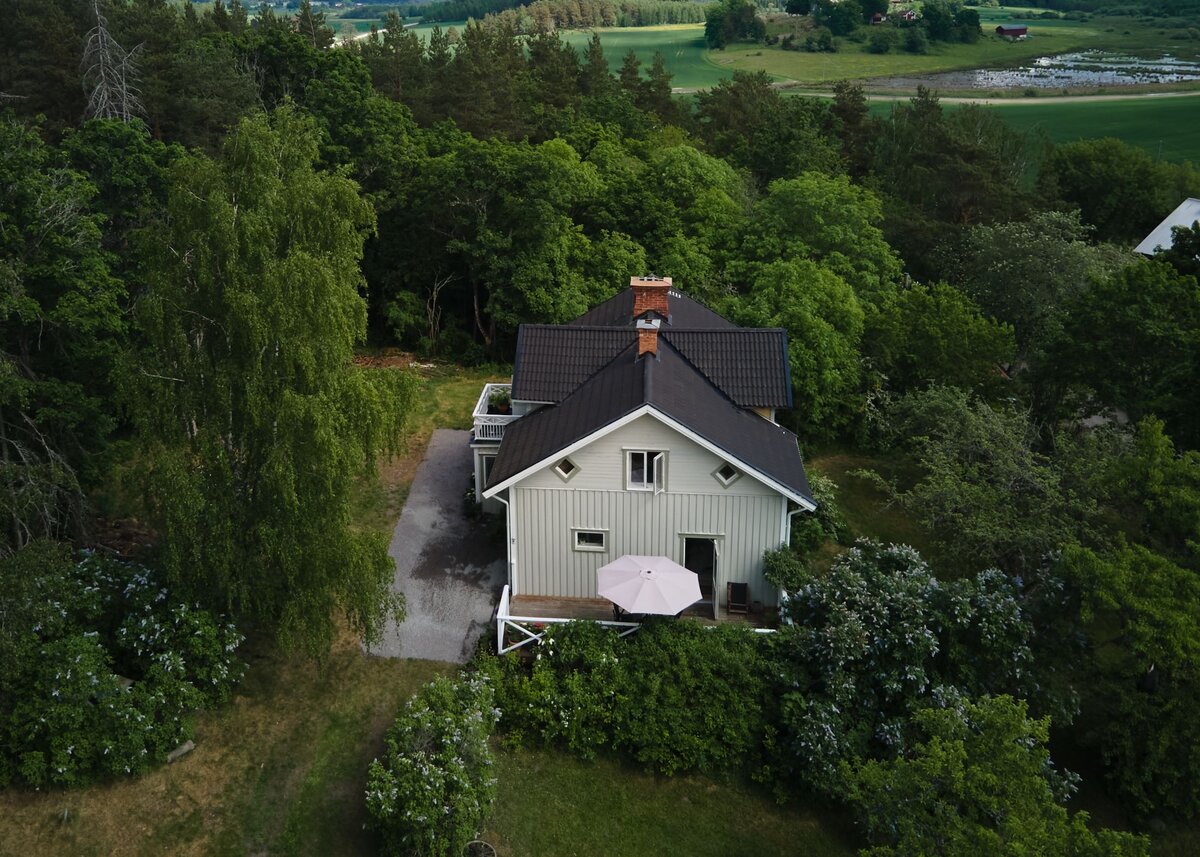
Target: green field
[(681, 44), (852, 62), (1168, 128)]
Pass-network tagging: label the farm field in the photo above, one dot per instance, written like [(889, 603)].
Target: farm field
[(852, 62), (682, 45), (1167, 128)]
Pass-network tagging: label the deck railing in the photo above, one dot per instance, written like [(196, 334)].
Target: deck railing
[(513, 632), (490, 427), (531, 629)]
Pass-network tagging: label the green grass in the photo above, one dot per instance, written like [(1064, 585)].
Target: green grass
[(854, 63), (446, 396), (552, 805), (282, 770), (864, 506), (1168, 128), (682, 45)]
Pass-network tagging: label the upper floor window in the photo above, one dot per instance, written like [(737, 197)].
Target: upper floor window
[(726, 474), (646, 470), (566, 469)]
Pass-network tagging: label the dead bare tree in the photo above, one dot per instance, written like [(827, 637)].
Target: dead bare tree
[(110, 74), (433, 308)]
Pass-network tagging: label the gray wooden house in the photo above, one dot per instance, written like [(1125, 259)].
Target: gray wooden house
[(645, 426)]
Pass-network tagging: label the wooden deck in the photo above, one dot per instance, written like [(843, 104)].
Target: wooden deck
[(537, 606)]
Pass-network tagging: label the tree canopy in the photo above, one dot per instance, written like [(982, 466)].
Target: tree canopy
[(253, 419)]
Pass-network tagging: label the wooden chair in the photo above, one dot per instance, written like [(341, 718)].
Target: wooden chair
[(737, 597)]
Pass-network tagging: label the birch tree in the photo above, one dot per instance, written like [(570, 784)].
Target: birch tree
[(256, 423)]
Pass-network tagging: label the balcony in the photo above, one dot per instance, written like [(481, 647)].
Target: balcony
[(489, 424)]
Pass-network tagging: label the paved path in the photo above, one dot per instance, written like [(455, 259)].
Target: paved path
[(449, 572)]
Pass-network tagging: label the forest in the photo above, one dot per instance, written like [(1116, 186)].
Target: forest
[(206, 216)]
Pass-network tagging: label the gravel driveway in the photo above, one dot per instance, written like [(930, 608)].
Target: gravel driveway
[(449, 572)]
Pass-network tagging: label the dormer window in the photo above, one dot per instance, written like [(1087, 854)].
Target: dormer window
[(566, 469), (646, 470), (727, 474)]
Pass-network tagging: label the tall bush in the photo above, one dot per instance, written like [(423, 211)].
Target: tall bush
[(429, 793), (69, 634), (675, 696)]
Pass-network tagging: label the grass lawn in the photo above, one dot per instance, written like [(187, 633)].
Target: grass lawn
[(282, 770), (552, 805), (446, 396), (862, 504)]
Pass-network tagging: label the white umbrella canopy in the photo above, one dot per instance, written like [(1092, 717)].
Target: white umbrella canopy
[(648, 584)]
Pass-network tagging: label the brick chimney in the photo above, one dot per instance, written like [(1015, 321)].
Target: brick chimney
[(650, 295), (647, 329)]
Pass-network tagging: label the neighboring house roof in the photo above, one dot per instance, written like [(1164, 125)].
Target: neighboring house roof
[(748, 365), (1012, 28), (1185, 215), (670, 388)]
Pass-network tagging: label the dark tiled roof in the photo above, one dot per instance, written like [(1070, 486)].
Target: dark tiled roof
[(609, 395), (673, 387), (553, 359), (748, 365), (686, 312)]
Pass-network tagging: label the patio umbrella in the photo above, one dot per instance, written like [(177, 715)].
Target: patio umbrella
[(648, 584)]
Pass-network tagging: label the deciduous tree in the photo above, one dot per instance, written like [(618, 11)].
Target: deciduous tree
[(254, 423)]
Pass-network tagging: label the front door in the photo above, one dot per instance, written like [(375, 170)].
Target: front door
[(700, 556)]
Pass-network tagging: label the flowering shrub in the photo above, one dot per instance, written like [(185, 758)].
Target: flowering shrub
[(675, 696), (429, 793), (879, 637), (74, 629), (570, 695)]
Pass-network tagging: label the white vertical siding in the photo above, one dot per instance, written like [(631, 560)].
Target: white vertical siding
[(638, 522)]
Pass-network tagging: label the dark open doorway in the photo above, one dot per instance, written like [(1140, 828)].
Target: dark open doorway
[(700, 556)]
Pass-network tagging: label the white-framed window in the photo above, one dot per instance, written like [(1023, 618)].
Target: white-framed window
[(589, 540), (726, 474), (566, 469), (645, 470), (487, 461)]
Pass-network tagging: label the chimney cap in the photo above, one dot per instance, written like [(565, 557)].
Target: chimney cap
[(652, 281)]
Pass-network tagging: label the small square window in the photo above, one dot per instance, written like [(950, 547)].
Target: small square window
[(590, 540), (726, 474), (566, 469)]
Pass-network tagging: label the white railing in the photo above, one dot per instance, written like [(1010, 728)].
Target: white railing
[(491, 427), (531, 629)]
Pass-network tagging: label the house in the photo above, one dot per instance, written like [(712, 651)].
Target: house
[(645, 426), (908, 15), (878, 18), (1185, 215), (1013, 31)]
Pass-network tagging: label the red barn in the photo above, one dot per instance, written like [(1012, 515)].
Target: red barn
[(1012, 31)]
